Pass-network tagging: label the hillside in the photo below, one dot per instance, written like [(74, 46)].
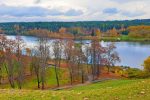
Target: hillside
[(108, 90)]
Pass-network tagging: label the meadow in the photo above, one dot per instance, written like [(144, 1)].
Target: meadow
[(108, 90)]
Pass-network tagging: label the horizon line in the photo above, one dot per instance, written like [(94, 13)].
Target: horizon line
[(73, 21)]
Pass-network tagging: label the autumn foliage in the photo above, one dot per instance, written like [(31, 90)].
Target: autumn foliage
[(139, 31)]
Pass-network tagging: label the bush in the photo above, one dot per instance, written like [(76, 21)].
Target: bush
[(137, 73), (144, 74)]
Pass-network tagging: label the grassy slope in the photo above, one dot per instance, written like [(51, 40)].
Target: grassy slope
[(109, 90), (31, 82)]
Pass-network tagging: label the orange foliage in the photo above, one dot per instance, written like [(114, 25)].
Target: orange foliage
[(139, 31), (112, 33)]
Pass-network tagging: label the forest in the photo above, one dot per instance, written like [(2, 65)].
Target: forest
[(55, 26)]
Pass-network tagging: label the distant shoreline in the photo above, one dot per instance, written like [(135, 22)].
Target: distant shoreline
[(107, 39)]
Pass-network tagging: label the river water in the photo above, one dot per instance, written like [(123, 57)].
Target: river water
[(131, 53)]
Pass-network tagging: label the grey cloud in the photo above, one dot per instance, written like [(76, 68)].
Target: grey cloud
[(73, 12), (110, 11), (35, 11), (132, 14)]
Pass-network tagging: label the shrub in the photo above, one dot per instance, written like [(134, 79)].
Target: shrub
[(137, 73)]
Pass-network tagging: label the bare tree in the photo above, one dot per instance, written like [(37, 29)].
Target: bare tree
[(9, 59), (111, 56), (94, 48), (30, 53), (81, 58), (19, 46), (96, 52), (35, 64), (68, 51), (2, 53), (57, 52), (87, 54), (43, 53)]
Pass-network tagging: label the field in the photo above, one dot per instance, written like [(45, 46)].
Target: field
[(107, 90)]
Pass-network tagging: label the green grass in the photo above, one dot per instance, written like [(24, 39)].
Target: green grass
[(50, 80), (125, 38), (108, 90), (105, 84)]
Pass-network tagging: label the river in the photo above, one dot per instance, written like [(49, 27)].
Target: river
[(131, 53)]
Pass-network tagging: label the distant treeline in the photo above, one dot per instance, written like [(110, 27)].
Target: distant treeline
[(55, 26)]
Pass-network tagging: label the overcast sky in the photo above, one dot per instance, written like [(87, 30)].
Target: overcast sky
[(73, 10)]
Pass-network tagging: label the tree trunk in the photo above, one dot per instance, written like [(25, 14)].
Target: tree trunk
[(43, 85), (71, 78), (56, 73), (38, 81), (11, 81), (82, 77), (98, 72), (92, 72), (43, 77), (59, 62), (71, 75), (10, 78), (108, 69), (87, 68)]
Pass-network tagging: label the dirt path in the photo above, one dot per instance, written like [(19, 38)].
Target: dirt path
[(77, 85)]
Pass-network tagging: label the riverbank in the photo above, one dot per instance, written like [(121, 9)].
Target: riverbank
[(123, 38)]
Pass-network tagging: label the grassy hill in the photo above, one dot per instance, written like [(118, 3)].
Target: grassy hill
[(108, 90)]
